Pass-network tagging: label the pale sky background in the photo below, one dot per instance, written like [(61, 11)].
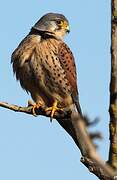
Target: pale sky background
[(33, 148)]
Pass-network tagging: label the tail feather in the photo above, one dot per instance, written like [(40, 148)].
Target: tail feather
[(77, 104)]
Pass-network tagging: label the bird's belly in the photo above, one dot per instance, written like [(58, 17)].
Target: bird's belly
[(51, 92), (44, 89)]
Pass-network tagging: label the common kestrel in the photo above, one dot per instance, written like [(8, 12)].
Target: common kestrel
[(45, 65)]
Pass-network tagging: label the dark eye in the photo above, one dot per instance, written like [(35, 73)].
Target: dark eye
[(59, 22)]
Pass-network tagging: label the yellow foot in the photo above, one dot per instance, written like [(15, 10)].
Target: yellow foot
[(53, 109), (34, 106)]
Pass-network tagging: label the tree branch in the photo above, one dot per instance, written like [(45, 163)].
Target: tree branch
[(113, 88), (76, 128), (39, 111), (95, 169)]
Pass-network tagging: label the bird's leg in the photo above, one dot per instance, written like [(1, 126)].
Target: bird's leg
[(53, 109), (34, 106)]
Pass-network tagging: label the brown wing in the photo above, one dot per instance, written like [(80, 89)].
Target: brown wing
[(67, 61), (20, 60)]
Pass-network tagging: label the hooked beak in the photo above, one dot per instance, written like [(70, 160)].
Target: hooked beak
[(68, 29)]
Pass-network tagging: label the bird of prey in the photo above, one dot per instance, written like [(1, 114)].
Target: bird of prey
[(45, 66)]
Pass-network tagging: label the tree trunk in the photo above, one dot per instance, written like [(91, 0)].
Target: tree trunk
[(113, 88)]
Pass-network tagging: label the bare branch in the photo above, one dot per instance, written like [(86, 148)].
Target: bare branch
[(76, 127), (87, 148), (39, 111), (95, 169), (113, 89)]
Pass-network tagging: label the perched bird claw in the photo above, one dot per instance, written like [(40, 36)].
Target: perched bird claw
[(53, 109), (34, 107)]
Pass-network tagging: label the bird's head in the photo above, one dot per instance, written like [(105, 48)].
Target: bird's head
[(53, 24)]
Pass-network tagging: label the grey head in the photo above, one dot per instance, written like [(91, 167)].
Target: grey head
[(53, 24)]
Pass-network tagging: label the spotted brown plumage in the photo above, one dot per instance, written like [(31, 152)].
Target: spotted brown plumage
[(45, 65)]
